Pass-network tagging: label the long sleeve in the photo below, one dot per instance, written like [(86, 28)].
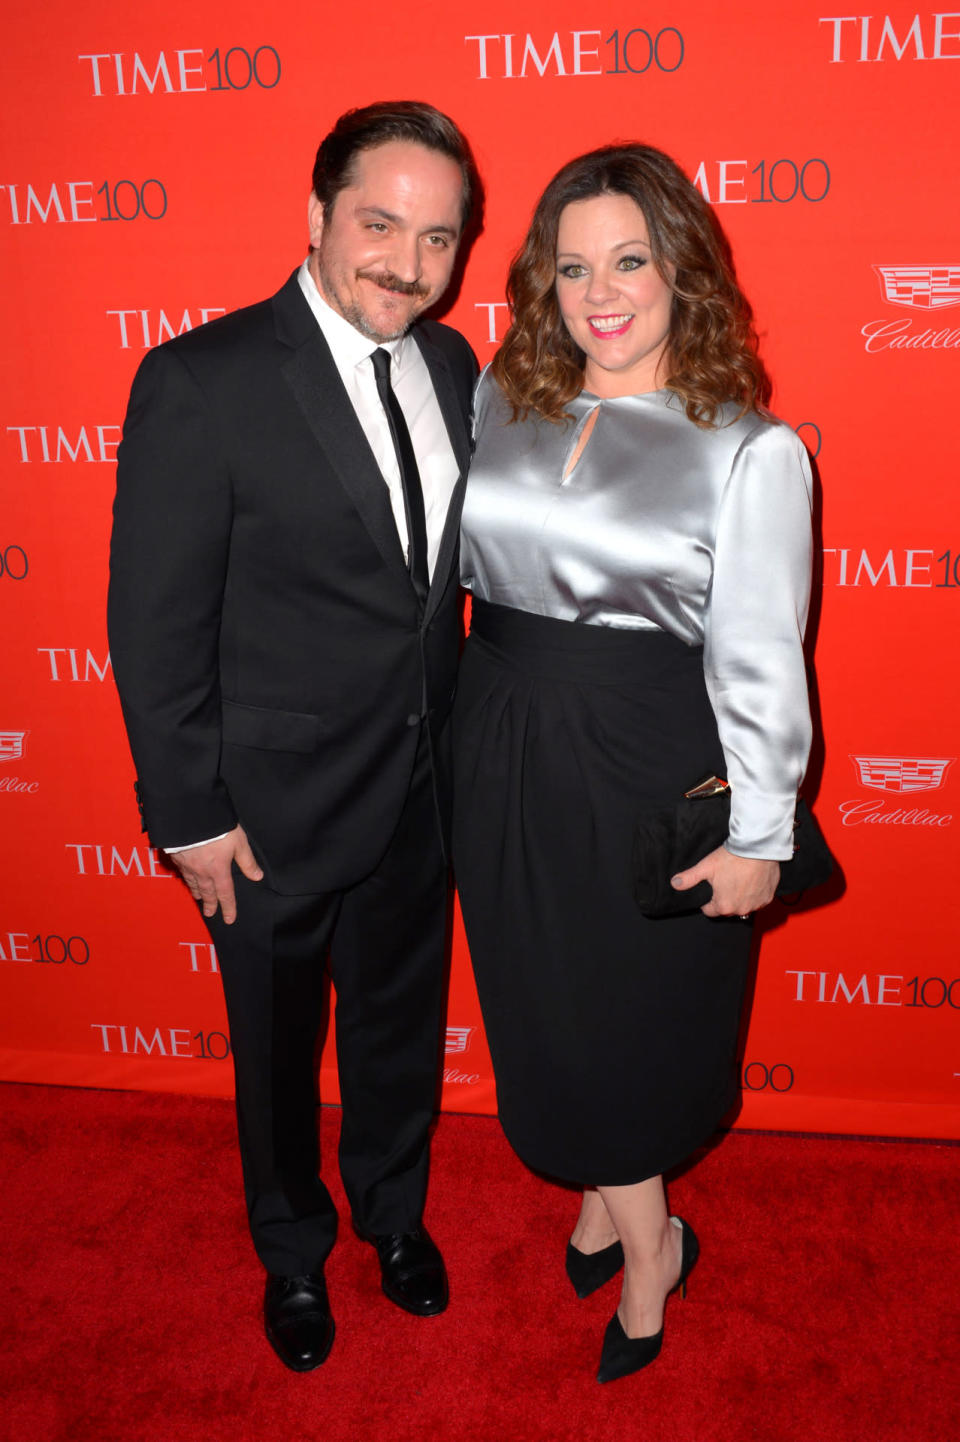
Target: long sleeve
[(754, 621), (171, 536)]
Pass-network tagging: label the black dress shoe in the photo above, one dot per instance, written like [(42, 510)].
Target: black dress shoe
[(412, 1271), (296, 1315)]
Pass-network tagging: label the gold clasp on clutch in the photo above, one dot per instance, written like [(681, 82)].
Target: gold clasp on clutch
[(709, 786)]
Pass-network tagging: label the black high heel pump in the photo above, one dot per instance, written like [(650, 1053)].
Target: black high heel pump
[(589, 1270), (621, 1354)]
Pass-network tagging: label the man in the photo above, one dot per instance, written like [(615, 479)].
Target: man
[(284, 633)]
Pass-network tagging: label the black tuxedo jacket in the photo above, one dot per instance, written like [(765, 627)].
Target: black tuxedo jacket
[(271, 657)]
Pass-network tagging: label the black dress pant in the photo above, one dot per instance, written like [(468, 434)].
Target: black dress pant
[(385, 937)]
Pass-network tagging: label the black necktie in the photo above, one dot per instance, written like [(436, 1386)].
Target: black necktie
[(409, 475)]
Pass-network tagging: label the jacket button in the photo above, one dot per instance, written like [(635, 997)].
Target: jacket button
[(413, 719)]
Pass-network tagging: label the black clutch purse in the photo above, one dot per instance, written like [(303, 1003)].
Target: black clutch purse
[(674, 837)]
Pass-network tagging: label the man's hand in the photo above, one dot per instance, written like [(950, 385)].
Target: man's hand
[(207, 871), (741, 885)]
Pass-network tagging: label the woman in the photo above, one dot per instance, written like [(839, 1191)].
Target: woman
[(636, 537)]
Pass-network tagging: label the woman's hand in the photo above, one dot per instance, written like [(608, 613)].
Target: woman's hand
[(741, 884)]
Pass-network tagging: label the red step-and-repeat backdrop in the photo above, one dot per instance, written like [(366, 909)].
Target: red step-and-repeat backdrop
[(155, 174)]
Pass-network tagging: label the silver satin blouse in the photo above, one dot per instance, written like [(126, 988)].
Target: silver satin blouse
[(661, 525)]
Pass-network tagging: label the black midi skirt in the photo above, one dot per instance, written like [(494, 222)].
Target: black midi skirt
[(613, 1037)]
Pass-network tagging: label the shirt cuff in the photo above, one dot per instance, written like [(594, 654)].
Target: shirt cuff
[(172, 850)]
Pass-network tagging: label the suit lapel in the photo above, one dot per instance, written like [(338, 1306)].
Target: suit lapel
[(313, 378), (452, 413), (315, 382)]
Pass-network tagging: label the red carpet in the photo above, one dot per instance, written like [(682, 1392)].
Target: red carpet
[(824, 1307)]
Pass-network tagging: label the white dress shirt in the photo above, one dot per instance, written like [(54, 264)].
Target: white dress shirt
[(413, 388)]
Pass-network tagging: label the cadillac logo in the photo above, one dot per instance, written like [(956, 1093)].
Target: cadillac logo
[(902, 773), (458, 1038), (923, 287), (11, 744)]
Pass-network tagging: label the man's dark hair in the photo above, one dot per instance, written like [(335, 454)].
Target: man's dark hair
[(373, 125)]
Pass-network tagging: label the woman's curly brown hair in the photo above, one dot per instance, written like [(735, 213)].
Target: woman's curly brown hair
[(711, 352)]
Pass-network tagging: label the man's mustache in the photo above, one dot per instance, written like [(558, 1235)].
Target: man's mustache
[(388, 281)]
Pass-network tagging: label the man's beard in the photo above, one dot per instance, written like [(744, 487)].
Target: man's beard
[(353, 312)]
